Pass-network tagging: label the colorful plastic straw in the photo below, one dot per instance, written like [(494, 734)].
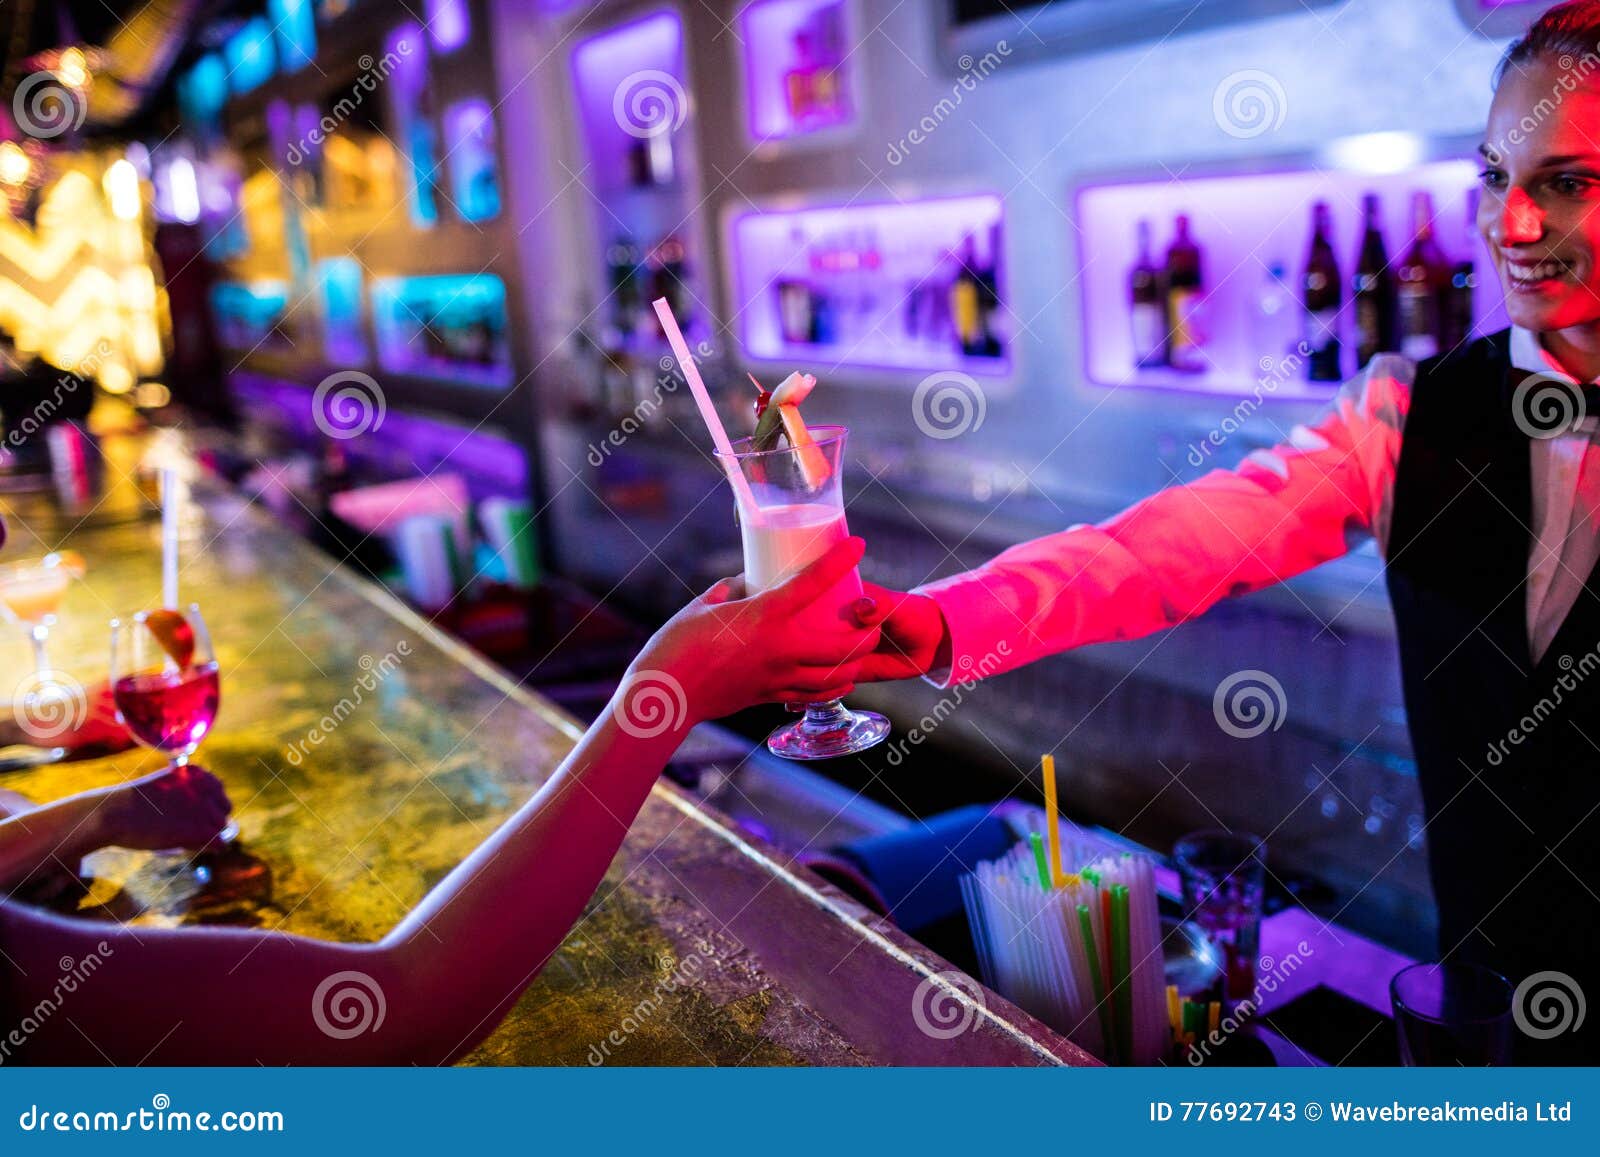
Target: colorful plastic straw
[(1039, 860), (1052, 819), (702, 398)]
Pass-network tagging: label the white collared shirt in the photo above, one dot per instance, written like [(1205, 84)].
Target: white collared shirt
[(1281, 512)]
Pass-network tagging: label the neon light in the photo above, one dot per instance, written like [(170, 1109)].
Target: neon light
[(295, 28), (185, 189), (448, 24), (469, 133), (122, 187), (249, 56), (1375, 153)]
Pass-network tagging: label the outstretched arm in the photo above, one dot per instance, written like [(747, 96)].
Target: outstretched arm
[(448, 973), (1165, 559)]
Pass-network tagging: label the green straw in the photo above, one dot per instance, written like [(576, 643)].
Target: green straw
[(1086, 924), (1121, 957), (1040, 859)]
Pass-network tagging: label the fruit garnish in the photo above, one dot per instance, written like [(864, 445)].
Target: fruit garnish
[(68, 560), (813, 462), (763, 395), (769, 428), (174, 634), (794, 389)]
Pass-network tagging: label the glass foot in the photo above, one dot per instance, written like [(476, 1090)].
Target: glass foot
[(828, 731)]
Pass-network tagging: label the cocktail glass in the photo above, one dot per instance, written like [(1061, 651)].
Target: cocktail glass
[(165, 685), (31, 594), (798, 515)]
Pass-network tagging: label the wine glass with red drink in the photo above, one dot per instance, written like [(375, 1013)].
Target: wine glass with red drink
[(164, 681)]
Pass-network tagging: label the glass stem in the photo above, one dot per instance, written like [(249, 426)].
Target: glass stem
[(39, 634), (828, 716)]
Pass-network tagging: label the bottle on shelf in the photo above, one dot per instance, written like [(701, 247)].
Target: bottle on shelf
[(1274, 324), (1422, 278), (1185, 284), (1455, 315), (1321, 296), (1373, 288), (1146, 311), (622, 278), (965, 309)]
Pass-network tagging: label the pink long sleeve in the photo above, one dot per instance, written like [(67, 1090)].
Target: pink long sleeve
[(1172, 556)]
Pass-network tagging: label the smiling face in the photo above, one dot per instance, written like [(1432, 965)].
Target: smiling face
[(1540, 209)]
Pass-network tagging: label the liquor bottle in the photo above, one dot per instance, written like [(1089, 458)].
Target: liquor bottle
[(1422, 277), (1146, 311), (990, 318), (1455, 316), (966, 309), (1274, 324), (622, 274), (1185, 285), (1321, 293), (1373, 289)]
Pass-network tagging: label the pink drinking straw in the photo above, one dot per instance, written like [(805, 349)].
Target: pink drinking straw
[(719, 436)]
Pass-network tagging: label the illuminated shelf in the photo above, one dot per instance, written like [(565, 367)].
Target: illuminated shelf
[(451, 327), (800, 76), (883, 273), (1245, 222)]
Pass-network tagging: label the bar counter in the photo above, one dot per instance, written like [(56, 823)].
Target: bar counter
[(367, 753)]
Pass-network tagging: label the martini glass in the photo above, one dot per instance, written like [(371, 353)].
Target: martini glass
[(798, 516), (31, 594)]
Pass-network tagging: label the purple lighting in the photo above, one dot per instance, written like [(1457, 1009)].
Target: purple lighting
[(448, 24), (884, 273), (630, 85), (797, 76), (1240, 224)]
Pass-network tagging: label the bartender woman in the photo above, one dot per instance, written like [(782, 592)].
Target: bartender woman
[(1478, 472)]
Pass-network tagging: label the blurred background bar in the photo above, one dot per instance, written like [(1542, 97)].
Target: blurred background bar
[(1044, 259)]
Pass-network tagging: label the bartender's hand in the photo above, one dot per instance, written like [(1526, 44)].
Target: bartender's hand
[(729, 649), (911, 631)]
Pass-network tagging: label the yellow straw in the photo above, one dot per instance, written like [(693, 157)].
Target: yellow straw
[(1052, 819)]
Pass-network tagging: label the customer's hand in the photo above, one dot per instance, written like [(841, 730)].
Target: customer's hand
[(911, 630), (177, 807), (85, 727), (729, 649)]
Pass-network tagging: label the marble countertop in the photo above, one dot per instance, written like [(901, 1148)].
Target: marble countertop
[(367, 753)]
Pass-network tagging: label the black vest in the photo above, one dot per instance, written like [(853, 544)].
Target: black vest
[(1508, 751)]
